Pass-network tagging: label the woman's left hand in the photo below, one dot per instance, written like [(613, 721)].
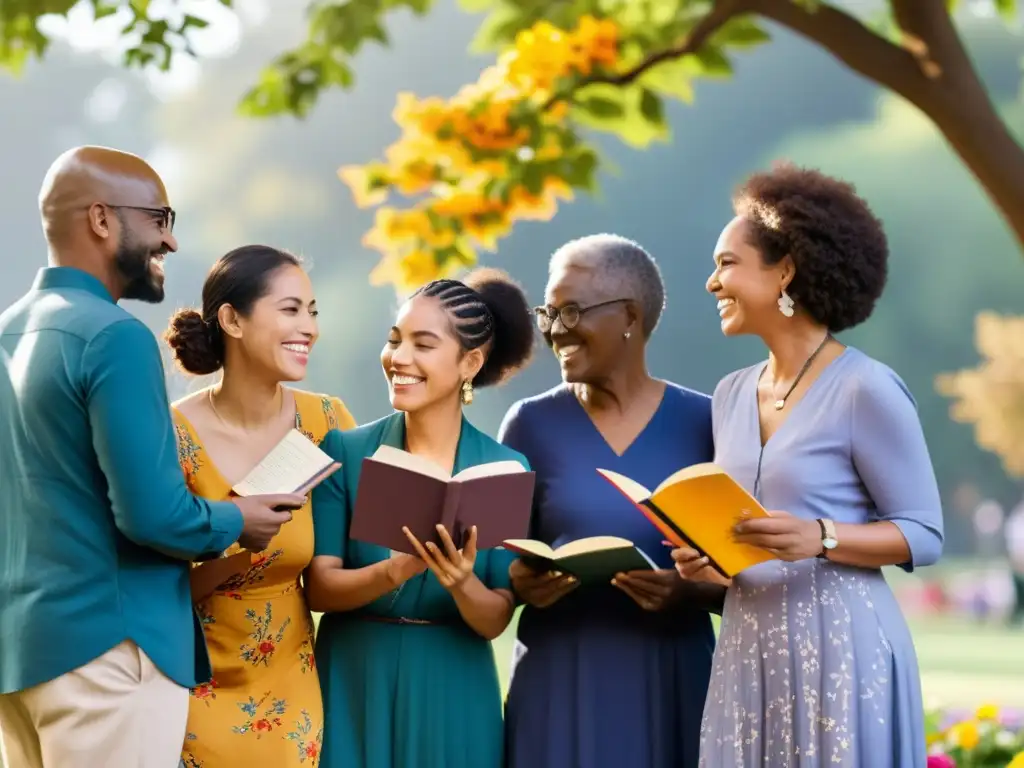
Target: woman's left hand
[(786, 536), (451, 567), (651, 590)]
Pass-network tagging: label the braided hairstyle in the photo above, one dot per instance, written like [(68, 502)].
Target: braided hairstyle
[(488, 308)]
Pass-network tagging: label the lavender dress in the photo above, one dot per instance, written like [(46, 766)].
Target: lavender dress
[(815, 665)]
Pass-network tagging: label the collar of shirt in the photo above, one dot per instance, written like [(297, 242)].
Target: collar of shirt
[(70, 277)]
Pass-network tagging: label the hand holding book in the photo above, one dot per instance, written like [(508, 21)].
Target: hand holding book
[(693, 566), (652, 590), (452, 566), (540, 588)]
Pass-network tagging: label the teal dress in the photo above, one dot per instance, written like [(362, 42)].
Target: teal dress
[(406, 682)]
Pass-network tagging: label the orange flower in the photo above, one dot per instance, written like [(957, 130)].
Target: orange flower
[(427, 116), (540, 207), (597, 41)]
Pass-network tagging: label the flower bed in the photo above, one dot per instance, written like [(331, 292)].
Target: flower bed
[(985, 738)]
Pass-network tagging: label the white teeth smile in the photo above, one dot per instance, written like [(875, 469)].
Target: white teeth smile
[(401, 379), (302, 349), (724, 304), (564, 352)]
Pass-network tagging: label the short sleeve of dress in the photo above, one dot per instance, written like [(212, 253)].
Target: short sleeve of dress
[(892, 460), (330, 504)]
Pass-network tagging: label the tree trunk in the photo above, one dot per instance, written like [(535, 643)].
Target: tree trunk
[(975, 131), (932, 71)]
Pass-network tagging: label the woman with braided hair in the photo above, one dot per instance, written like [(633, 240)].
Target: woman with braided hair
[(406, 666)]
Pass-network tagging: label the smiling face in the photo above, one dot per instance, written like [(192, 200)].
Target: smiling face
[(747, 290), (278, 333), (592, 348), (423, 361), (145, 238)]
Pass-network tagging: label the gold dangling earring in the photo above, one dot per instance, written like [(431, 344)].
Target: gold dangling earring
[(467, 392)]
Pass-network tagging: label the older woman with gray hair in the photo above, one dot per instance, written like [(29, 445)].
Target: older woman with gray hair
[(615, 674)]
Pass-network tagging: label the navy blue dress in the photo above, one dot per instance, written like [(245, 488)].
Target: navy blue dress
[(598, 682)]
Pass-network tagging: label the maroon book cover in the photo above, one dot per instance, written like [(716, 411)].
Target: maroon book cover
[(418, 496)]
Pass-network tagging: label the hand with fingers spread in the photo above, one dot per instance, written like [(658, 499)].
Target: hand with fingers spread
[(786, 536), (452, 567), (651, 590), (540, 588), (693, 566)]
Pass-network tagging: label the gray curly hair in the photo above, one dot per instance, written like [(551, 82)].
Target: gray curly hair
[(618, 264)]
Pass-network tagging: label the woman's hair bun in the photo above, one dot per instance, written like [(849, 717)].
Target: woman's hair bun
[(194, 347), (514, 337)]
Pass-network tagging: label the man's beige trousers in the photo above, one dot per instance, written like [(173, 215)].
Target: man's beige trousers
[(118, 711)]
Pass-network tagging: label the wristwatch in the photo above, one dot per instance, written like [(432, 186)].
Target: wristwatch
[(829, 540)]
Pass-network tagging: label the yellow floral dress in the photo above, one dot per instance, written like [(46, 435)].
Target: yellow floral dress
[(263, 706)]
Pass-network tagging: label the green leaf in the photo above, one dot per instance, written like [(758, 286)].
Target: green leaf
[(580, 169), (601, 107), (499, 29), (741, 32), (713, 62), (476, 6), (533, 178), (671, 78), (651, 107), (1007, 9), (619, 112)]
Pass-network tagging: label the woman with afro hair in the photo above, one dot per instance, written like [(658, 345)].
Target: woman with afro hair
[(814, 664)]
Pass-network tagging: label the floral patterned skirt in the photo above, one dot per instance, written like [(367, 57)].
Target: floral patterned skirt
[(814, 667), (263, 706)]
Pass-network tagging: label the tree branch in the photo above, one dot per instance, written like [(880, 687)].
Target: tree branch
[(852, 43), (722, 12)]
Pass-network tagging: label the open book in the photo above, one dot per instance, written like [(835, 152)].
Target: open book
[(698, 507), (294, 465), (595, 559), (397, 488)]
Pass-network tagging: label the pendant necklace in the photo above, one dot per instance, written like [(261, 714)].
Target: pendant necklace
[(781, 402)]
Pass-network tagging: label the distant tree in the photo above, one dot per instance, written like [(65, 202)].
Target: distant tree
[(510, 146), (991, 396)]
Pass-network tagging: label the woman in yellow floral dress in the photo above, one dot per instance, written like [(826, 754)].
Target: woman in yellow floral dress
[(257, 324)]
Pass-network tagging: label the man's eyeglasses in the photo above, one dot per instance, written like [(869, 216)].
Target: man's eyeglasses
[(164, 216), (569, 314)]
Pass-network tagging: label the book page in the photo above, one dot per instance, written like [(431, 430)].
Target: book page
[(592, 544), (529, 547), (633, 490), (490, 470), (688, 473), (291, 464), (396, 457)]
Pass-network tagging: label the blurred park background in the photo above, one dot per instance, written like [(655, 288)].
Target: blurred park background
[(236, 180)]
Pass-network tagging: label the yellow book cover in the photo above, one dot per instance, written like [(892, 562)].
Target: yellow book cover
[(698, 507)]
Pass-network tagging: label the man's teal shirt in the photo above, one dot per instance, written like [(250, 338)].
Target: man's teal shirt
[(97, 526)]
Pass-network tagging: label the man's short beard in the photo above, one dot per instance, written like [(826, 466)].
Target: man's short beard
[(132, 262)]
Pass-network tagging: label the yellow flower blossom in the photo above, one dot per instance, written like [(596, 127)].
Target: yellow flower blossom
[(1017, 762), (987, 712), (964, 734), (452, 150), (361, 180)]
